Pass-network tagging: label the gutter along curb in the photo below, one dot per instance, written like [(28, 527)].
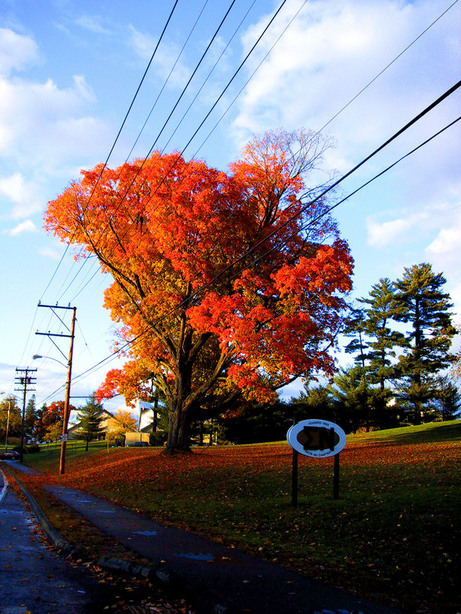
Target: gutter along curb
[(67, 549)]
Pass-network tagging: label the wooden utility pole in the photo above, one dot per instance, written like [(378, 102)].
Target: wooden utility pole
[(24, 380), (65, 420)]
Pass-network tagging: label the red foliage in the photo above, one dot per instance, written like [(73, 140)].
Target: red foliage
[(215, 276)]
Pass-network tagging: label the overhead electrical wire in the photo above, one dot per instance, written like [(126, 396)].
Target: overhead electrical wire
[(232, 79), (166, 80), (119, 131), (332, 118), (420, 115), (344, 107), (257, 68), (209, 75), (251, 77), (178, 100), (216, 103), (364, 185), (388, 66), (175, 106), (205, 118), (136, 339), (202, 122), (251, 250), (61, 260)]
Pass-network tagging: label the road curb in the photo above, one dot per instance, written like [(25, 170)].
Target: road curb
[(65, 548), (52, 534), (161, 574)]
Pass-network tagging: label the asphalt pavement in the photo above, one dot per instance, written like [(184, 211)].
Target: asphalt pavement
[(34, 579), (216, 579)]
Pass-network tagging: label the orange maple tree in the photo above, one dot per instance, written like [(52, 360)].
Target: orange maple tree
[(225, 284)]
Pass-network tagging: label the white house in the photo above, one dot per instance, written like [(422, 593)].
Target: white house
[(143, 413)]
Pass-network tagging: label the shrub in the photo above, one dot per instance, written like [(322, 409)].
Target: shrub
[(158, 438)]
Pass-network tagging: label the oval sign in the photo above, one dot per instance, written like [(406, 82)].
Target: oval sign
[(317, 438)]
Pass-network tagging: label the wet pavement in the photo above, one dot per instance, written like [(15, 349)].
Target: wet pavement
[(213, 577), (33, 578)]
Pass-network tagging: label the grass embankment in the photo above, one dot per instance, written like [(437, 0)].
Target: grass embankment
[(393, 535)]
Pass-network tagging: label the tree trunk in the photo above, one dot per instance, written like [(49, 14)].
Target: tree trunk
[(178, 431)]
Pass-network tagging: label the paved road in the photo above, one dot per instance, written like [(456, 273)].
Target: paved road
[(215, 579), (32, 577), (212, 575)]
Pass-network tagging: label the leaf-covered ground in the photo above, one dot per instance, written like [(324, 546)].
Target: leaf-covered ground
[(393, 535)]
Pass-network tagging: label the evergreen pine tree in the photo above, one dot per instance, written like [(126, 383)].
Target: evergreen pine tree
[(30, 416), (449, 398), (90, 417), (315, 401), (352, 398), (422, 303), (374, 348)]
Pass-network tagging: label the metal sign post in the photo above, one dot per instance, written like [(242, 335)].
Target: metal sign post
[(318, 439), (294, 479), (336, 477)]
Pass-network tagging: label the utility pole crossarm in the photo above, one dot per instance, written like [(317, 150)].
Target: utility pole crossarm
[(25, 381), (66, 415), (53, 334)]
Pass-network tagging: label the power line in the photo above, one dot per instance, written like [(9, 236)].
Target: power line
[(203, 121), (167, 79), (194, 72), (344, 107), (201, 124), (209, 75), (134, 98), (234, 263), (364, 89), (244, 61), (118, 133), (387, 66), (364, 185), (246, 83), (169, 116), (248, 80), (338, 181)]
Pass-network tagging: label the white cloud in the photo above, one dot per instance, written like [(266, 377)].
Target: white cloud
[(48, 252), (165, 57), (383, 234), (446, 242), (45, 130), (444, 250), (22, 193), (23, 227), (33, 115), (92, 24), (16, 51)]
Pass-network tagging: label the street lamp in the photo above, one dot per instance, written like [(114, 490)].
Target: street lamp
[(37, 356), (65, 421)]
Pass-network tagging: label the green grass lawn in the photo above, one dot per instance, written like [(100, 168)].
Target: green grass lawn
[(393, 535)]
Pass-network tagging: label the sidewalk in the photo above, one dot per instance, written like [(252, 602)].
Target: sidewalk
[(34, 579), (217, 580)]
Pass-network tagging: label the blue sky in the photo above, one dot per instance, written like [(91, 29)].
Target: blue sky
[(69, 70)]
